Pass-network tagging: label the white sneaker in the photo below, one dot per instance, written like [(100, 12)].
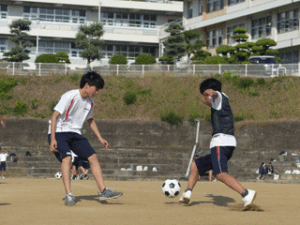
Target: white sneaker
[(3, 177), (249, 198), (185, 197)]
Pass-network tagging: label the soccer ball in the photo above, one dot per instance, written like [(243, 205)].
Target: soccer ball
[(58, 175), (171, 188)]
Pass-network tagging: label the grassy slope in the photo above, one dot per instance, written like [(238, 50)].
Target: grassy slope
[(278, 98)]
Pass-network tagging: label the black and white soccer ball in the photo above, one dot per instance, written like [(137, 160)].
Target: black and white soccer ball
[(171, 188), (58, 175)]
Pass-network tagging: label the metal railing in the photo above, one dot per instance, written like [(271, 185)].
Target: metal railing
[(180, 69)]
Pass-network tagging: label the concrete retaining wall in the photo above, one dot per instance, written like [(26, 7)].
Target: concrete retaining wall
[(153, 142)]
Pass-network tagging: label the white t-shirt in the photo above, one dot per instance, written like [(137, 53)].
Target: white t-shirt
[(3, 157), (74, 110), (221, 139)]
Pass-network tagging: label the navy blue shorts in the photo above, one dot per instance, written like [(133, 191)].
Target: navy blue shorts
[(216, 161), (80, 162), (71, 140), (3, 166)]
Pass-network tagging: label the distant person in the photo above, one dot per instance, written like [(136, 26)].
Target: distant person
[(270, 168), (262, 171), (2, 121), (73, 109), (222, 144), (81, 164), (3, 157)]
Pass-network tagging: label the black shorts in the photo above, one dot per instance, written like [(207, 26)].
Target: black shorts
[(216, 161)]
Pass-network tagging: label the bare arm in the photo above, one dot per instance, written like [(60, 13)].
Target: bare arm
[(2, 122), (94, 127), (53, 143)]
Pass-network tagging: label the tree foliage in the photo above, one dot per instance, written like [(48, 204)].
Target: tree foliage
[(88, 39), (20, 52), (62, 57), (175, 43)]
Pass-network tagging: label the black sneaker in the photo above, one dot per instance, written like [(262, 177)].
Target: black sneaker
[(86, 177), (73, 177), (109, 193)]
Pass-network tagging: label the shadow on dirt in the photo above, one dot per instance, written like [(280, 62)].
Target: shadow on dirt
[(96, 198)]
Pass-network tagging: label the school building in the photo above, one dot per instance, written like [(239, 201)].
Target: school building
[(275, 19), (130, 27)]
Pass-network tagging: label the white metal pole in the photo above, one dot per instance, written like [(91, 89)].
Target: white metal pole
[(99, 12), (13, 68), (143, 70), (220, 71), (194, 149), (117, 69), (246, 69), (194, 69), (40, 69), (299, 69), (66, 68)]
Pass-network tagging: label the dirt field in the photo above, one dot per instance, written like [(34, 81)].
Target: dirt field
[(39, 201)]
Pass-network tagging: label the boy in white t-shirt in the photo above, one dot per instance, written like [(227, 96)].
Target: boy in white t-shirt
[(222, 144), (71, 111), (3, 157)]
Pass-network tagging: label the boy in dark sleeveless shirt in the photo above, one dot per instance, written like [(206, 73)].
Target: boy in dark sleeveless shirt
[(222, 144)]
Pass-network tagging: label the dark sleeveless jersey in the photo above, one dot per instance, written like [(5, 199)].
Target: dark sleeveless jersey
[(222, 120)]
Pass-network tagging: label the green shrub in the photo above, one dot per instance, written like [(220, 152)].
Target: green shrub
[(253, 93), (20, 108), (74, 77), (145, 59), (261, 81), (238, 118), (215, 60), (62, 57), (227, 75), (244, 82), (5, 86), (207, 117), (52, 105), (129, 98), (118, 59), (47, 58), (35, 103), (172, 118), (166, 60), (192, 116)]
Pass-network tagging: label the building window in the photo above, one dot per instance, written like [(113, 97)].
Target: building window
[(214, 5), (233, 2), (288, 21), (261, 27), (214, 38), (230, 32), (132, 19), (289, 57), (189, 10), (3, 45), (3, 11), (54, 15), (200, 7)]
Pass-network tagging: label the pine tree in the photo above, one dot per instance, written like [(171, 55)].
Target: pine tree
[(88, 39), (19, 53)]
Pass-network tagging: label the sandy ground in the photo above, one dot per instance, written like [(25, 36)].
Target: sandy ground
[(39, 201)]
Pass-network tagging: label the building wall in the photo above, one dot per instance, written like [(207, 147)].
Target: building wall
[(114, 35), (245, 13)]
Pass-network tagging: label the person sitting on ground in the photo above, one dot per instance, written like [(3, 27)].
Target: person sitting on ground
[(270, 168)]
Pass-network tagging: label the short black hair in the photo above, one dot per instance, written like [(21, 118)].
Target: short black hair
[(92, 78), (210, 83)]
